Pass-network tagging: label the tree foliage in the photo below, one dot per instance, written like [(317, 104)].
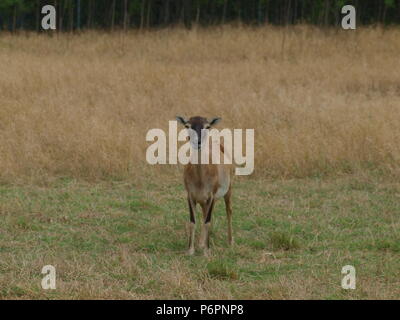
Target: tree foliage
[(105, 14)]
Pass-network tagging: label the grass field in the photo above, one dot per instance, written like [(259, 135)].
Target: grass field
[(77, 193), (125, 240)]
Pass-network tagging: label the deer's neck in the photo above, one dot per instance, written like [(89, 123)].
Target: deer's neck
[(196, 162)]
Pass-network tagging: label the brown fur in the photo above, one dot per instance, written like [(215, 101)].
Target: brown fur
[(205, 183)]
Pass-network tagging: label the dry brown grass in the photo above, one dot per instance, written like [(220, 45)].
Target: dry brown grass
[(325, 102)]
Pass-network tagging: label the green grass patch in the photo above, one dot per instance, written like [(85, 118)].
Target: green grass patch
[(285, 241), (222, 270), (116, 240)]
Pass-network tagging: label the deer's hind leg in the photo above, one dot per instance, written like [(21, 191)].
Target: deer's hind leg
[(228, 207), (192, 224)]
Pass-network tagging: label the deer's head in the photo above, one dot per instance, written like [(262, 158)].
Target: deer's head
[(195, 125)]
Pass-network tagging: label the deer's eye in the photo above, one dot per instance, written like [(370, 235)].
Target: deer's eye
[(187, 126)]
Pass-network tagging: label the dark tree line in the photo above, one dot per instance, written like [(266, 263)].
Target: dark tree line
[(124, 14)]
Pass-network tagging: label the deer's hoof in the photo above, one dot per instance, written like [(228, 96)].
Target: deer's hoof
[(207, 252)]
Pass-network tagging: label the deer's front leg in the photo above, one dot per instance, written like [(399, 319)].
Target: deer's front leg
[(192, 225), (205, 234), (228, 206)]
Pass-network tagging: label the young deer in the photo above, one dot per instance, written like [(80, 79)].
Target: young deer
[(205, 183)]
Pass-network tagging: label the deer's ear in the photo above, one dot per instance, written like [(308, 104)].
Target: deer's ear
[(214, 121), (181, 120)]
